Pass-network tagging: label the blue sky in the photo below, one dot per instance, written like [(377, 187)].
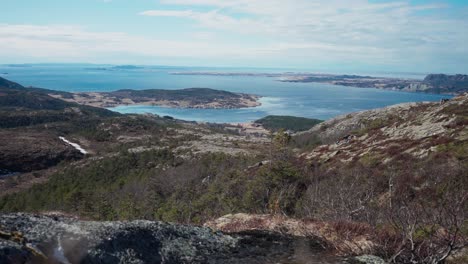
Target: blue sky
[(337, 35)]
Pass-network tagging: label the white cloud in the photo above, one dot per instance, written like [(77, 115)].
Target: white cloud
[(393, 31), (169, 13), (293, 32), (304, 19), (73, 42), (212, 19)]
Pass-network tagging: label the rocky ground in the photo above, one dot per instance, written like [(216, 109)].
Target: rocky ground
[(323, 233), (54, 238), (413, 128), (204, 141)]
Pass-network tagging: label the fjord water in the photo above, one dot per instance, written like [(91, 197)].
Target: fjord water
[(322, 101)]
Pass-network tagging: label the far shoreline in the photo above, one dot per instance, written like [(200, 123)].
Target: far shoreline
[(441, 84)]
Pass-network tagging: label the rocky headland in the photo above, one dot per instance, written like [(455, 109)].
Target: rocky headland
[(57, 238)]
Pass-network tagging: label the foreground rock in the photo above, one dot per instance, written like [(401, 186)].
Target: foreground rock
[(325, 235), (27, 238)]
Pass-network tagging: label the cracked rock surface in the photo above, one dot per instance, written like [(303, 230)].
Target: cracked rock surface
[(54, 238)]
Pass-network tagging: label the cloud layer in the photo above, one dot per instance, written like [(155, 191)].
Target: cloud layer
[(299, 32)]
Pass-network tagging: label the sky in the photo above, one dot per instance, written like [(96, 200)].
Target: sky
[(337, 35)]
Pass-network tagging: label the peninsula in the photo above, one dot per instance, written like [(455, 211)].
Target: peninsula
[(184, 98), (432, 83)]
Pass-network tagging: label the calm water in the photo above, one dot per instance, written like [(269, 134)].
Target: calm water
[(320, 101)]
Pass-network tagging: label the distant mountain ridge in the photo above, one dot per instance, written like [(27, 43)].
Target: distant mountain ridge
[(433, 83), (445, 77), (442, 83)]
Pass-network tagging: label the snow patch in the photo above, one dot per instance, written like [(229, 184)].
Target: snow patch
[(59, 253), (76, 146)]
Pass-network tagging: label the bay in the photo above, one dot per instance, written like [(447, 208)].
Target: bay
[(313, 100)]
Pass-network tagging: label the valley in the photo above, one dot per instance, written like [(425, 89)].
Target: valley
[(234, 132), (373, 184)]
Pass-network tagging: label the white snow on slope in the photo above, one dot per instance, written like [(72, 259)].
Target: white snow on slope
[(59, 253), (78, 147)]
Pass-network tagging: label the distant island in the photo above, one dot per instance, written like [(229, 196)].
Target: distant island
[(432, 83), (113, 68), (19, 65), (204, 98)]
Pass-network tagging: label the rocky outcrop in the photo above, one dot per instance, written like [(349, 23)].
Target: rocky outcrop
[(440, 83), (416, 129), (367, 259), (52, 238), (57, 239)]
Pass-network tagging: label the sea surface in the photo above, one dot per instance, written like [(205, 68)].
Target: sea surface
[(322, 101)]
